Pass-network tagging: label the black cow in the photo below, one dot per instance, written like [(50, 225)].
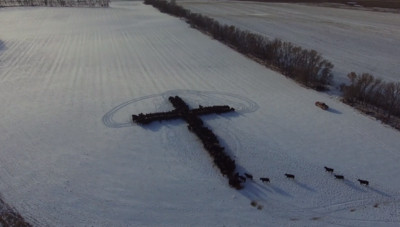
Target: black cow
[(340, 177), (264, 179), (327, 169), (242, 178), (291, 176), (249, 176), (363, 182)]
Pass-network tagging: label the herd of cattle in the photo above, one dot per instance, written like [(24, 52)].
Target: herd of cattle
[(291, 176), (181, 112), (224, 162)]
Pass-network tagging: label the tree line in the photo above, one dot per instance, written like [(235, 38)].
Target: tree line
[(307, 67), (373, 93)]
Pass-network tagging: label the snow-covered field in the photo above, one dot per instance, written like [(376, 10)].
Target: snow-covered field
[(353, 40), (70, 78)]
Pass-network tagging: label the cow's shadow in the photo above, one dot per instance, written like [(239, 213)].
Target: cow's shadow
[(331, 110), (2, 45), (255, 190)]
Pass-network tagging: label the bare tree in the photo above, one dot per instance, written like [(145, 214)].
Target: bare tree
[(392, 96)]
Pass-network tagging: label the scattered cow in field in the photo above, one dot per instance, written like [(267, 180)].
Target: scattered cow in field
[(290, 176), (340, 177), (363, 182), (327, 169), (322, 105), (249, 176), (242, 178), (235, 182), (264, 179)]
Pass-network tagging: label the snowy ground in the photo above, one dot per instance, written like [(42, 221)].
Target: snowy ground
[(353, 40), (70, 79)]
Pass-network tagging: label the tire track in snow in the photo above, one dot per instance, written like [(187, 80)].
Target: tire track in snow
[(145, 57), (161, 57), (24, 57), (21, 47), (193, 63), (45, 60), (279, 196), (5, 54), (144, 70), (361, 204), (135, 57), (55, 66), (78, 80), (328, 213)]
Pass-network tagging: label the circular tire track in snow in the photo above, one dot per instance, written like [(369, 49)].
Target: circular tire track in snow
[(241, 104)]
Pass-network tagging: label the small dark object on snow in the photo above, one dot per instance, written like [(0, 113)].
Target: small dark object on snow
[(327, 169), (322, 105), (264, 179), (363, 182), (242, 179), (291, 176), (341, 177), (249, 176)]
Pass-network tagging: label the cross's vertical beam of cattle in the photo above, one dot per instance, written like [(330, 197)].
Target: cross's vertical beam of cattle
[(226, 164)]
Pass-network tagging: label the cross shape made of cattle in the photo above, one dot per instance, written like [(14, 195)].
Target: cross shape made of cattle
[(224, 162)]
